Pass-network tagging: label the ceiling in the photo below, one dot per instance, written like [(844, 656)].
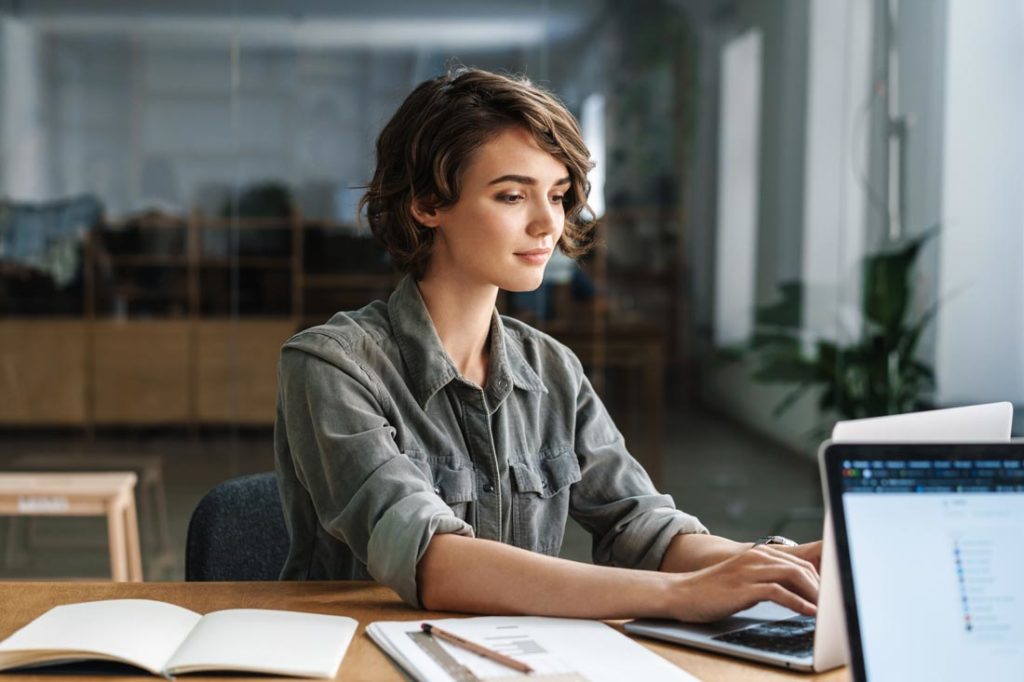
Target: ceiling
[(384, 24)]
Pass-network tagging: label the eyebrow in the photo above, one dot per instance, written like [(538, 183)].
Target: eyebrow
[(526, 180)]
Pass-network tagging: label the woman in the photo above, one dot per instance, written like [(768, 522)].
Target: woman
[(438, 448)]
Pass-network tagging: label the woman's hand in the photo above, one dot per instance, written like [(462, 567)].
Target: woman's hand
[(765, 573), (810, 551)]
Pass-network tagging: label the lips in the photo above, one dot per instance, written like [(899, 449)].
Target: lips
[(534, 257)]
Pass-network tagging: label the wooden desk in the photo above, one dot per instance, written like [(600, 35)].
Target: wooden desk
[(364, 601)]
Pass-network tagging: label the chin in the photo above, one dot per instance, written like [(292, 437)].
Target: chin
[(523, 283)]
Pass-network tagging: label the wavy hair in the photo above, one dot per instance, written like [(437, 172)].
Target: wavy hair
[(430, 140)]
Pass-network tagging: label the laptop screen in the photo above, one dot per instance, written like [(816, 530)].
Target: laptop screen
[(933, 548)]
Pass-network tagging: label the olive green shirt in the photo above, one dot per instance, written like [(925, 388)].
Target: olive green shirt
[(380, 444)]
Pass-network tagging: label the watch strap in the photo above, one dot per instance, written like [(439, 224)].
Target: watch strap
[(775, 540)]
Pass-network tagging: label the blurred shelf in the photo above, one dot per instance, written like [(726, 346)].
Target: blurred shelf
[(247, 262), (229, 223), (150, 261), (348, 281), (172, 334)]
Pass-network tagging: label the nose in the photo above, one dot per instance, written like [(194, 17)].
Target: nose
[(546, 218)]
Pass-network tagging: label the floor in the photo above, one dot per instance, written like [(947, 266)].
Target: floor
[(740, 485)]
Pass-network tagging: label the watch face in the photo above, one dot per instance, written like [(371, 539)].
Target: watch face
[(776, 540)]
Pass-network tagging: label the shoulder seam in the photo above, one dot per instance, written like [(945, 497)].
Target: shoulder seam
[(346, 345)]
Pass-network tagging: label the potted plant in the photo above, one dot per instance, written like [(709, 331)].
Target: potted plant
[(876, 374)]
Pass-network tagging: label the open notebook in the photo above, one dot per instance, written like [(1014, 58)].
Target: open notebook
[(165, 639)]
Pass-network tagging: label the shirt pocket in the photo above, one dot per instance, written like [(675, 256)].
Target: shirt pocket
[(540, 502), (452, 479)]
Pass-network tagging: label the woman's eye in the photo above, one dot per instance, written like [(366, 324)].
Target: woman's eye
[(510, 198), (558, 198)]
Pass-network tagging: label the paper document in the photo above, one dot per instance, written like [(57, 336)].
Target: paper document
[(558, 650)]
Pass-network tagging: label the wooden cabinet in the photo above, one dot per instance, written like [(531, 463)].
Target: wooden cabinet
[(43, 372), (141, 372), (237, 370), (182, 321)]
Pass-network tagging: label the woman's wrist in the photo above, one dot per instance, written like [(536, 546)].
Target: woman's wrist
[(677, 597), (667, 596)]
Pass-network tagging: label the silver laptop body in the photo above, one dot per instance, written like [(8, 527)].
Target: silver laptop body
[(753, 634)]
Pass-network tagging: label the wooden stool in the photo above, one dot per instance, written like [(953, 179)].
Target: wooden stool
[(150, 495), (82, 494)]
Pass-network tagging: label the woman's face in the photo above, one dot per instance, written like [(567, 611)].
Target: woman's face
[(507, 221)]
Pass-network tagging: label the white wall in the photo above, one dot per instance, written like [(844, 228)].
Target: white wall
[(738, 186), (22, 126), (838, 84), (980, 340)]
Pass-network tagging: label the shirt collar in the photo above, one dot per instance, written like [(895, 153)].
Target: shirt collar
[(428, 364), (429, 367), (522, 374), (508, 367)]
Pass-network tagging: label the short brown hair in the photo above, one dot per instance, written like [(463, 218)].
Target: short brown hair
[(430, 140)]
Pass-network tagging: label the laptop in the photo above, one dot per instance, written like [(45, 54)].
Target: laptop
[(928, 538), (769, 633)]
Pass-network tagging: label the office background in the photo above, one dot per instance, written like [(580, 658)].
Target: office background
[(810, 209)]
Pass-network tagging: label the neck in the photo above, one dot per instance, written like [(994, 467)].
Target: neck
[(462, 317)]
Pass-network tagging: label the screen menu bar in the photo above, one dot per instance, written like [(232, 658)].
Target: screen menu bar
[(933, 476)]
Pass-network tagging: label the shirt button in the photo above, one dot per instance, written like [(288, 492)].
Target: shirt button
[(437, 490), (488, 488)]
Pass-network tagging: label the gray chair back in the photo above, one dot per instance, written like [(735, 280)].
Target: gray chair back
[(237, 532)]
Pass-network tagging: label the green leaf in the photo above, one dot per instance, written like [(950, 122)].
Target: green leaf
[(887, 285), (790, 398), (729, 354), (907, 342), (787, 311)]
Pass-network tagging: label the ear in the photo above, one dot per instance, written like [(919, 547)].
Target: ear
[(425, 213)]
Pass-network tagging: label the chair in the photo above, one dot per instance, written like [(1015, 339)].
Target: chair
[(237, 532)]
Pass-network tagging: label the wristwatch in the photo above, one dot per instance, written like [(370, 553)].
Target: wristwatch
[(775, 540)]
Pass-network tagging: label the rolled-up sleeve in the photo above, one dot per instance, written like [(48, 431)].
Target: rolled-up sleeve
[(365, 491), (632, 524)]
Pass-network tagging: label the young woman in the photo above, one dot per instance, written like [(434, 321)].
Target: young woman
[(432, 445)]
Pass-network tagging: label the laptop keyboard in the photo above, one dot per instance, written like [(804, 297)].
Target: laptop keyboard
[(791, 637)]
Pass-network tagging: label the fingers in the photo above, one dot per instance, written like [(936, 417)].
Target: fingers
[(775, 592), (798, 580), (810, 551), (796, 576), (782, 554)]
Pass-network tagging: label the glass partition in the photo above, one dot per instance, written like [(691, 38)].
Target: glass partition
[(807, 212)]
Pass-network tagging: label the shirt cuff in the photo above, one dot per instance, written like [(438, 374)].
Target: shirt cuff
[(644, 542), (400, 538)]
